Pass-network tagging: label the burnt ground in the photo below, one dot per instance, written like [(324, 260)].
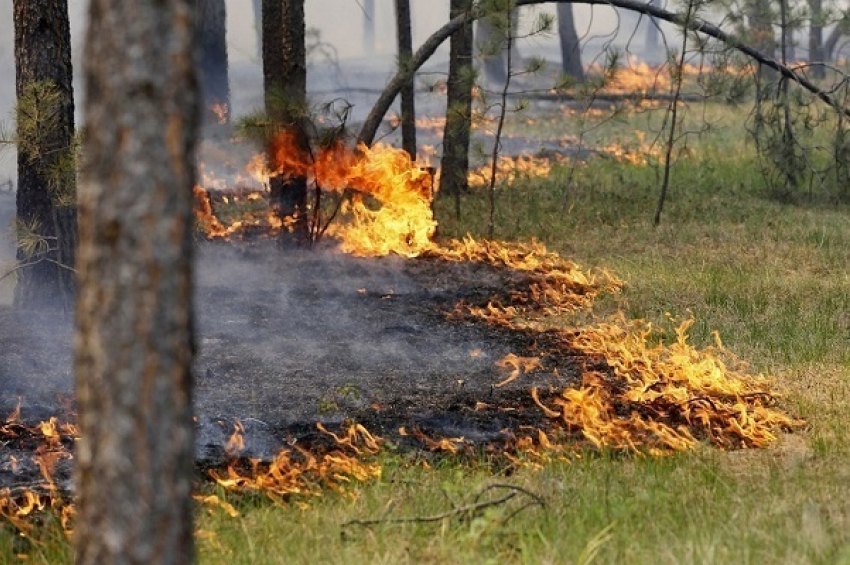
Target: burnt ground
[(290, 338)]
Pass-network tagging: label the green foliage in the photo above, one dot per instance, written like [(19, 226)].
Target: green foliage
[(38, 116)]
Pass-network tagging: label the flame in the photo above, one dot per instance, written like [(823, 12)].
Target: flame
[(298, 471), (221, 111)]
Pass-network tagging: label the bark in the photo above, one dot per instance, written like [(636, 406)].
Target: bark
[(285, 87), (212, 61), (816, 54), (570, 46), (454, 165), (46, 175), (408, 93), (369, 26), (134, 312), (696, 25)]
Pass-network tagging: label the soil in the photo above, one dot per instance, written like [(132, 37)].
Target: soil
[(287, 339)]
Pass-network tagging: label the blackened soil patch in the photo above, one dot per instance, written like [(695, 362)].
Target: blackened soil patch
[(290, 338)]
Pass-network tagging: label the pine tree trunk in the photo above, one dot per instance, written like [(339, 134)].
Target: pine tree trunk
[(46, 172), (212, 62), (454, 165), (570, 46), (285, 85), (134, 311), (404, 36)]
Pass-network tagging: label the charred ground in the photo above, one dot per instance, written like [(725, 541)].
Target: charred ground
[(287, 339)]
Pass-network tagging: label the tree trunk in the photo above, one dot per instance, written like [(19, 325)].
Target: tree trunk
[(816, 54), (46, 171), (369, 26), (652, 44), (491, 50), (212, 62), (408, 93), (285, 86), (134, 311), (570, 46), (454, 166)]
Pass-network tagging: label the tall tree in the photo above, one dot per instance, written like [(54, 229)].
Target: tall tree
[(134, 310), (212, 61), (454, 165), (404, 36), (46, 172), (285, 87), (570, 46)]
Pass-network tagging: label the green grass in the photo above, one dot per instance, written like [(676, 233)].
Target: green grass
[(772, 278)]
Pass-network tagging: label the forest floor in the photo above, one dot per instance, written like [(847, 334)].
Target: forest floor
[(770, 277)]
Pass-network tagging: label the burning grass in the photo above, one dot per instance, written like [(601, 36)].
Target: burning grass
[(633, 396)]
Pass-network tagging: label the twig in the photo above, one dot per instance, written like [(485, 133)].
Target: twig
[(461, 511)]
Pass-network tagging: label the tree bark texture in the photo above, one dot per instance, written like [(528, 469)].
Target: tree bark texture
[(454, 165), (404, 37), (212, 61), (134, 310), (570, 46), (46, 173), (285, 87)]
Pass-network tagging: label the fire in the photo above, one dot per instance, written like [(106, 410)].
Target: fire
[(386, 204), (299, 471)]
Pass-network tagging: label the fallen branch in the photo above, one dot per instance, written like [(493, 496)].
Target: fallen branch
[(466, 511), (406, 73)]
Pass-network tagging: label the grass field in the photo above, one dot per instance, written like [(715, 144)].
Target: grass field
[(772, 278)]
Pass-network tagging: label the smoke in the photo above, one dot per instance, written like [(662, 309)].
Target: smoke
[(295, 337)]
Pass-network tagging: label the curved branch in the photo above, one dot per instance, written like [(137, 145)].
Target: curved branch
[(406, 73)]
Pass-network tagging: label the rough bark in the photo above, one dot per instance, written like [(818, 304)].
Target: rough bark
[(212, 61), (430, 46), (454, 165), (408, 93), (134, 311), (285, 86), (46, 176), (570, 46)]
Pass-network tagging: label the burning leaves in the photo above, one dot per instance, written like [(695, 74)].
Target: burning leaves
[(299, 471), (664, 397), (48, 447)]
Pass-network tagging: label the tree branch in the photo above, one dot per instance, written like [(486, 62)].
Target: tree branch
[(406, 74)]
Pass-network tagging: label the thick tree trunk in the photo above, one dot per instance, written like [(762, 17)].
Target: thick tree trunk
[(46, 171), (408, 93), (570, 46), (285, 84), (454, 166), (134, 311), (212, 61)]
